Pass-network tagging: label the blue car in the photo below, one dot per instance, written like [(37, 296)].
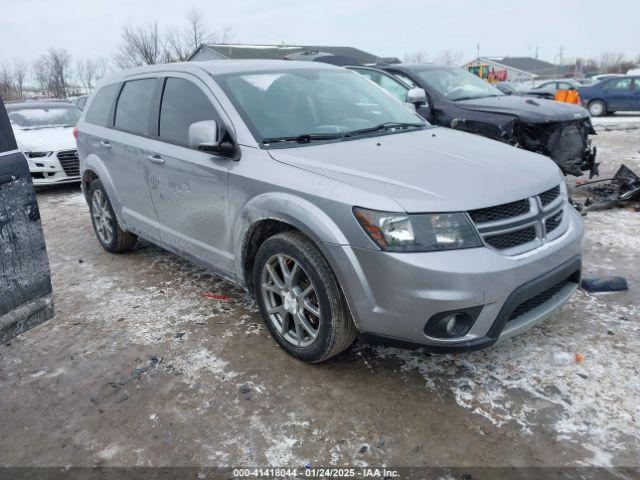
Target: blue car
[(616, 94)]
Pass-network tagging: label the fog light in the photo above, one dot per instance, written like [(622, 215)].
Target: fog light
[(452, 324)]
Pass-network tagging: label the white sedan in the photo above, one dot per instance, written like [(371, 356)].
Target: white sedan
[(44, 133)]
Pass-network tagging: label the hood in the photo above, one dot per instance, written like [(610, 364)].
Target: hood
[(45, 139), (527, 109), (433, 170)]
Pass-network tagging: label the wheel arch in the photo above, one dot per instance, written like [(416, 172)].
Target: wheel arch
[(93, 169), (268, 214)]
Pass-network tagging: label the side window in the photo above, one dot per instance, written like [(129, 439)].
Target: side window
[(100, 109), (621, 83), (388, 83), (134, 106), (7, 142), (636, 84), (183, 103), (405, 79)]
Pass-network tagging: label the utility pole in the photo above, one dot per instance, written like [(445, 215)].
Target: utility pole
[(560, 53), (478, 50)]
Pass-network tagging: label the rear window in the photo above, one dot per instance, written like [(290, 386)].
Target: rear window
[(134, 106), (183, 103), (100, 108), (7, 143)]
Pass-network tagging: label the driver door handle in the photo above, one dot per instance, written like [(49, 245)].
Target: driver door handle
[(105, 144), (157, 159)]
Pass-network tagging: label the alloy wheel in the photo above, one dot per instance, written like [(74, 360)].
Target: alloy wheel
[(290, 300), (102, 219)]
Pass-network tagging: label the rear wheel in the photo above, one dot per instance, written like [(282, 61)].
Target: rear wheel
[(300, 299), (105, 224), (597, 108)]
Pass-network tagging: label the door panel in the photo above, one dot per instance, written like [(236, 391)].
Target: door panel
[(25, 281), (189, 187), (619, 94), (128, 144)]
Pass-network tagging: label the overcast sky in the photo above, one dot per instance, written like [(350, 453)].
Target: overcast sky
[(382, 27)]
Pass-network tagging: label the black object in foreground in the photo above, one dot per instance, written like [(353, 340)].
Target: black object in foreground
[(604, 284)]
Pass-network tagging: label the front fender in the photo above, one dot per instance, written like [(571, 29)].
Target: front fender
[(287, 208)]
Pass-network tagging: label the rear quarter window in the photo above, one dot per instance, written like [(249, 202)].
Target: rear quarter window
[(134, 106), (7, 142), (100, 109)]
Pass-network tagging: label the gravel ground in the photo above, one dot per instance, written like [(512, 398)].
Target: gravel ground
[(141, 366)]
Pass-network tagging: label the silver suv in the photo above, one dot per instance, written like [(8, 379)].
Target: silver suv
[(338, 206)]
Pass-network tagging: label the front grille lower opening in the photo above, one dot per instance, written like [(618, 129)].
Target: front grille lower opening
[(69, 162), (543, 297)]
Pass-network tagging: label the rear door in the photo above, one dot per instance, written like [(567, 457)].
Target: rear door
[(636, 94), (135, 119), (25, 281), (189, 187)]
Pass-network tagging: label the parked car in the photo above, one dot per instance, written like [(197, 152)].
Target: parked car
[(606, 76), (612, 95), (339, 207), (44, 131), (549, 89), (26, 299), (458, 99)]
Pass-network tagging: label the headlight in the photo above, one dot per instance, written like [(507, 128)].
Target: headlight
[(424, 232), (37, 154)]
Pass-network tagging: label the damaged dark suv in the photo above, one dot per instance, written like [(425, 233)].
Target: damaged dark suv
[(460, 100)]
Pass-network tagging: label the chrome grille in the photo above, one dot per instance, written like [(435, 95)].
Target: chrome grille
[(523, 225), (70, 162), (502, 241), (500, 212), (553, 222), (549, 196)]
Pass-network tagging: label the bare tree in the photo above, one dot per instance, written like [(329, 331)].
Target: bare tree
[(89, 71), (52, 72), (416, 57), (225, 35), (197, 31), (140, 45), (611, 62), (20, 70), (449, 57), (7, 89), (176, 46)]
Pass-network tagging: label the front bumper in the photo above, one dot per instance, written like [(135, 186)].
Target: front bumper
[(49, 170), (393, 295)]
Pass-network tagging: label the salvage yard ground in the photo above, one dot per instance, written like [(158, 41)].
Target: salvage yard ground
[(152, 361)]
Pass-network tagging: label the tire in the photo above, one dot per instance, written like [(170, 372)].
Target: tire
[(334, 328), (597, 108), (103, 218)]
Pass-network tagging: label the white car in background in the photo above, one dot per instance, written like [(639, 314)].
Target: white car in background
[(44, 133)]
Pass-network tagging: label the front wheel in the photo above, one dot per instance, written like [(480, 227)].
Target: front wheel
[(597, 108), (300, 299)]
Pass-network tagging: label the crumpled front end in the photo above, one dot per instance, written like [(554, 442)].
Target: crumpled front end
[(567, 143)]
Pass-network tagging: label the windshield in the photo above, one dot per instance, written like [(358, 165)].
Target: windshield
[(327, 103), (456, 84), (44, 117)]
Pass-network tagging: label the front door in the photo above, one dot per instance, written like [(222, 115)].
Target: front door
[(25, 282), (189, 187), (619, 95)]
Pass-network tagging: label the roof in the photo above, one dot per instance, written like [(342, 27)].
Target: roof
[(530, 65), (277, 52)]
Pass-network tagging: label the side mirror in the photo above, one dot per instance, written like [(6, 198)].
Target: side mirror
[(416, 96), (204, 136)]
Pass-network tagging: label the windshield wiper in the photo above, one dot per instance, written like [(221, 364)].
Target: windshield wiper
[(383, 126), (304, 138)]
